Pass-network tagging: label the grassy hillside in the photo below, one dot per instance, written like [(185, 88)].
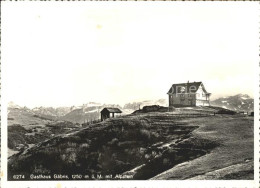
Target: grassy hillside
[(25, 128), (233, 159), (144, 146), (21, 137), (23, 116)]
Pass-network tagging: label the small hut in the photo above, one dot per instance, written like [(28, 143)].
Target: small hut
[(109, 112)]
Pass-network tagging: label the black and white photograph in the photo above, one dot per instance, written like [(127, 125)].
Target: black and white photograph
[(118, 91)]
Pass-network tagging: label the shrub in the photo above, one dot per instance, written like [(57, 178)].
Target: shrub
[(146, 134)]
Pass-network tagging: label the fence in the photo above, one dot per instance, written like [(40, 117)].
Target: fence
[(96, 121), (193, 114)]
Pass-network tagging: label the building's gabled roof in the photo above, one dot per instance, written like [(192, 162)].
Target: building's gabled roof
[(112, 110), (189, 86)]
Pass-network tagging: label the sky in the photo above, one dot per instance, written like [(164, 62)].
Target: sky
[(70, 53)]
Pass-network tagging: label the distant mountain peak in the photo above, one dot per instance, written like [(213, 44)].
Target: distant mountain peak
[(11, 104), (239, 102), (243, 96)]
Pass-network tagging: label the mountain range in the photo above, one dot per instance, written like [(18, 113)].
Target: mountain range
[(91, 111), (76, 114), (240, 102)]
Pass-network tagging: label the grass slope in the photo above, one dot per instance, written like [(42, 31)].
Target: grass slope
[(25, 117), (233, 159), (26, 128)]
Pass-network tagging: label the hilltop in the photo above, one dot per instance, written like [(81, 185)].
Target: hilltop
[(158, 145)]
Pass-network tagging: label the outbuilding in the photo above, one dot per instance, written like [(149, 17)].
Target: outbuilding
[(109, 112)]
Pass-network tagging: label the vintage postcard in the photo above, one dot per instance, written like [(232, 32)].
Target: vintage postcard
[(112, 94)]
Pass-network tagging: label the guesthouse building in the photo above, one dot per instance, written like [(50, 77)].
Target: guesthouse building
[(188, 94)]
